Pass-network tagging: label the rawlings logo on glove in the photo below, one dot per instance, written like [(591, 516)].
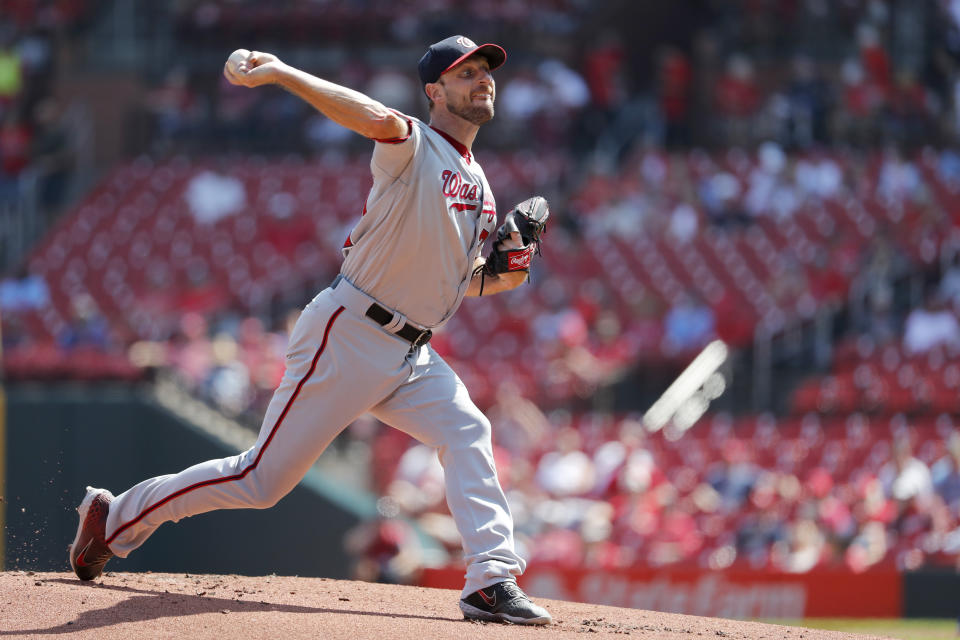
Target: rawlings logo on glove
[(525, 223), (519, 260)]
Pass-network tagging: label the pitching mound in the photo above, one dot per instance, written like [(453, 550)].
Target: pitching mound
[(160, 605)]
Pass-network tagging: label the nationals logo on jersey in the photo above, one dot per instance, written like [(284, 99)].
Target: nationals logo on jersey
[(455, 186)]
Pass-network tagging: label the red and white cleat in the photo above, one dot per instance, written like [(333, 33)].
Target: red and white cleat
[(89, 551)]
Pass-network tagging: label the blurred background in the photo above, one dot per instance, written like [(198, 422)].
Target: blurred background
[(779, 175)]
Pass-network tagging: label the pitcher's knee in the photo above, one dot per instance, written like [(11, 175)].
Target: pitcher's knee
[(262, 490), (263, 495), (477, 433)]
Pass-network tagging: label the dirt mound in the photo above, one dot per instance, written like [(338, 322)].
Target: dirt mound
[(161, 605)]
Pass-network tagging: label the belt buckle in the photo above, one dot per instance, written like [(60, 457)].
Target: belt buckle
[(422, 339)]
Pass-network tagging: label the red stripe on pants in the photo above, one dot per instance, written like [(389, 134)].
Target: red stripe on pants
[(252, 465)]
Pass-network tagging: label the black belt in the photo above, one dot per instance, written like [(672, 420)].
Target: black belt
[(416, 337)]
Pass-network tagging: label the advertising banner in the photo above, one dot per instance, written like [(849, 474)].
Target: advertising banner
[(725, 594)]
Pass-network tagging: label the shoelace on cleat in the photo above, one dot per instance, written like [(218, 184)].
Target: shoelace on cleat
[(512, 591)]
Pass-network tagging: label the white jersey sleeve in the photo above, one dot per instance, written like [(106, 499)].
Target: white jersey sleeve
[(393, 156)]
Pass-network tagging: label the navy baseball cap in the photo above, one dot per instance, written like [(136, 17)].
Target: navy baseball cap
[(448, 53)]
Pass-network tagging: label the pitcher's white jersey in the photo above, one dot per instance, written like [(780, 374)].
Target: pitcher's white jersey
[(401, 252)]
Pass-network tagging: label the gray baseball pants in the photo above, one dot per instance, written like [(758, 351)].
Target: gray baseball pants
[(341, 364)]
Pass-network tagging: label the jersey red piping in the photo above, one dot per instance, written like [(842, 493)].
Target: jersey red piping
[(252, 465), (456, 144)]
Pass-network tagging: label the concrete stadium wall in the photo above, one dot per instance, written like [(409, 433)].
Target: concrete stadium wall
[(62, 438)]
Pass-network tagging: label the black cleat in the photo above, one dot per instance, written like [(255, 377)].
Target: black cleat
[(503, 602), (89, 551)]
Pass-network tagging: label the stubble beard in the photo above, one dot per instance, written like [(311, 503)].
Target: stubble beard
[(473, 114)]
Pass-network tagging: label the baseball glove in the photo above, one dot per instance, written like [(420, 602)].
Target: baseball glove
[(529, 219)]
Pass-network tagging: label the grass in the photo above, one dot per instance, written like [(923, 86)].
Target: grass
[(899, 628)]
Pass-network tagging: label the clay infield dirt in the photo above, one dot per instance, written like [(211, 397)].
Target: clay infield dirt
[(162, 605)]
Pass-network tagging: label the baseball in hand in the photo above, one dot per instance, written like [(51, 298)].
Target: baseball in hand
[(236, 59)]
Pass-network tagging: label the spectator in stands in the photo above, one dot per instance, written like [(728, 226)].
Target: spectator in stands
[(558, 545), (945, 474), (417, 484), (35, 49), (212, 196), (23, 292), (624, 214), (899, 180), (323, 134), (733, 475), (732, 325), (228, 382), (86, 327), (771, 189), (868, 548), (688, 325), (15, 141), (51, 154), (950, 281), (677, 537), (875, 60), (737, 99), (674, 85), (881, 263), (11, 70), (835, 516), (931, 325), (879, 322), (719, 192), (861, 101), (827, 283), (390, 86), (684, 222), (809, 100), (524, 96), (604, 71), (908, 111), (804, 548), (235, 117), (566, 470), (385, 549), (519, 424), (759, 531), (569, 95), (905, 478), (175, 108), (190, 350), (820, 178)]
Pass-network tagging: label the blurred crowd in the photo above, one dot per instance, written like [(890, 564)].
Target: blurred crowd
[(804, 74), (37, 149), (599, 491), (768, 161)]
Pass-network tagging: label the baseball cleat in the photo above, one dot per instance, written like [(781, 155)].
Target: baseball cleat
[(89, 551), (503, 602)]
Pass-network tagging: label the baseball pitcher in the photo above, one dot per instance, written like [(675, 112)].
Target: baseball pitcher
[(362, 345)]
